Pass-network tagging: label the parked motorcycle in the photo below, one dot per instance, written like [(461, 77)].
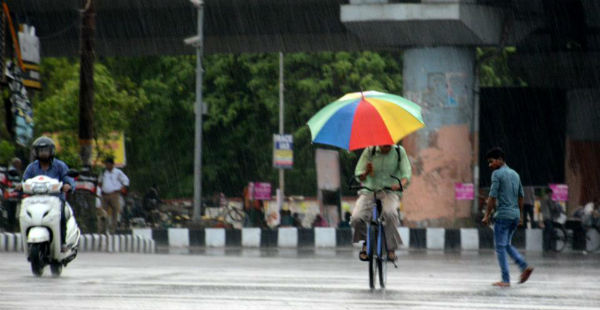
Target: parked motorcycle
[(40, 226)]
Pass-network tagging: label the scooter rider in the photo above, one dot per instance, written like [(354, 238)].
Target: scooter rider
[(45, 164)]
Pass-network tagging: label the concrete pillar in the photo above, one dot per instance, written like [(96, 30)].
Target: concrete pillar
[(441, 81), (582, 167)]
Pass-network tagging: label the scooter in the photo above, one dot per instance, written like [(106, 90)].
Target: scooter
[(40, 226)]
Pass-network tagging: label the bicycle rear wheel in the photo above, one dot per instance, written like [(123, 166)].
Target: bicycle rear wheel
[(372, 256), (560, 237)]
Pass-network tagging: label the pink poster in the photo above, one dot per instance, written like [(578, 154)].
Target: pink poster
[(560, 192), (262, 191), (464, 191)]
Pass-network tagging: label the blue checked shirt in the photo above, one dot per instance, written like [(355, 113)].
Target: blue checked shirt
[(506, 188)]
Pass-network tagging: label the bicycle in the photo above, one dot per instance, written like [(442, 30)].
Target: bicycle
[(225, 215), (561, 237), (376, 246)]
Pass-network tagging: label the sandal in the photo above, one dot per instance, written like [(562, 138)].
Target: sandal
[(525, 274), (362, 255)]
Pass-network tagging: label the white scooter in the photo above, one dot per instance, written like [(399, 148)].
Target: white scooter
[(40, 226)]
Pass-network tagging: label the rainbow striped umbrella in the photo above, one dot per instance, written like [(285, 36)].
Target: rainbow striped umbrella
[(362, 119)]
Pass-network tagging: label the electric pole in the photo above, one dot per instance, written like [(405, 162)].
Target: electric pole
[(86, 82)]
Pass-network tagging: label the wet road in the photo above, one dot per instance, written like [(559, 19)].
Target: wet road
[(292, 279)]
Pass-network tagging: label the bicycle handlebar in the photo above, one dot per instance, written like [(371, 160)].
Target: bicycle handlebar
[(401, 189)]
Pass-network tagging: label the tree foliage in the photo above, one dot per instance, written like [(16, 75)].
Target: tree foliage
[(242, 96), (56, 111), (152, 100), (494, 70)]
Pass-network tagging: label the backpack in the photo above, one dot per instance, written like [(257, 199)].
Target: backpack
[(373, 149)]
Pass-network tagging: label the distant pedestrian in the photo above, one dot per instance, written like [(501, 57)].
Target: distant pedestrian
[(114, 183), (528, 203), (547, 208), (506, 196)]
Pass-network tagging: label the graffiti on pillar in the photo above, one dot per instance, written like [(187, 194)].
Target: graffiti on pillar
[(446, 89)]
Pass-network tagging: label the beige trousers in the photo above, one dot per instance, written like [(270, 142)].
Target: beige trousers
[(112, 206), (363, 211)]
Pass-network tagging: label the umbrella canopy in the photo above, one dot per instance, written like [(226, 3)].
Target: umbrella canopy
[(362, 119)]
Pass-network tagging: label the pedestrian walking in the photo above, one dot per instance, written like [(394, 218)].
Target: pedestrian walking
[(547, 208), (528, 203), (506, 197), (113, 183)]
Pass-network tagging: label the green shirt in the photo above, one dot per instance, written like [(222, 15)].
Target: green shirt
[(384, 165), (506, 188)]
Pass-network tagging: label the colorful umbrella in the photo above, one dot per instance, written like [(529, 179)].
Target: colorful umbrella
[(362, 119)]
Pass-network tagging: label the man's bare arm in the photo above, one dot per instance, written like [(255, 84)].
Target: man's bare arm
[(491, 204), (520, 210)]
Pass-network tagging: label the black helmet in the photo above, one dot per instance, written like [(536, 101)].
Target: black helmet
[(42, 143)]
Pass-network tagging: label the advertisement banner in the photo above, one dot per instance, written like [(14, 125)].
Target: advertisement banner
[(283, 154), (29, 44), (20, 106), (113, 145), (261, 190), (560, 192), (464, 191)]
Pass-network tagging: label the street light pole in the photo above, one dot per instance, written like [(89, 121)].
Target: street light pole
[(198, 110), (281, 129)]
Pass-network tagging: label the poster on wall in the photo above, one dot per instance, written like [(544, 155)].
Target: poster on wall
[(464, 191), (560, 192)]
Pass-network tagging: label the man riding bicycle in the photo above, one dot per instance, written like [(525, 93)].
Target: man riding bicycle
[(375, 169)]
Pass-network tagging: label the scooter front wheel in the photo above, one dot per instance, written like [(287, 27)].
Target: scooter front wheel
[(36, 257)]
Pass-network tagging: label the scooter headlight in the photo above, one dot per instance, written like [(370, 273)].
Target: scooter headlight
[(40, 189)]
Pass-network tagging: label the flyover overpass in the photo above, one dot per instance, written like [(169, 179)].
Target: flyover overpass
[(557, 47)]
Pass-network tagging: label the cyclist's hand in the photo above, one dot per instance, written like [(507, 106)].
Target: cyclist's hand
[(486, 220), (66, 188), (396, 187), (369, 169)]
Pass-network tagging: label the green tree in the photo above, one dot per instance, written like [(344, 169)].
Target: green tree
[(57, 108), (494, 70), (241, 92)]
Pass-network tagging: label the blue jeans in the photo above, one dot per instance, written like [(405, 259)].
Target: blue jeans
[(503, 233)]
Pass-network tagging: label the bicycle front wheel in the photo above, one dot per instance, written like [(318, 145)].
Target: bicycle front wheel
[(560, 237), (382, 262), (372, 256)]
